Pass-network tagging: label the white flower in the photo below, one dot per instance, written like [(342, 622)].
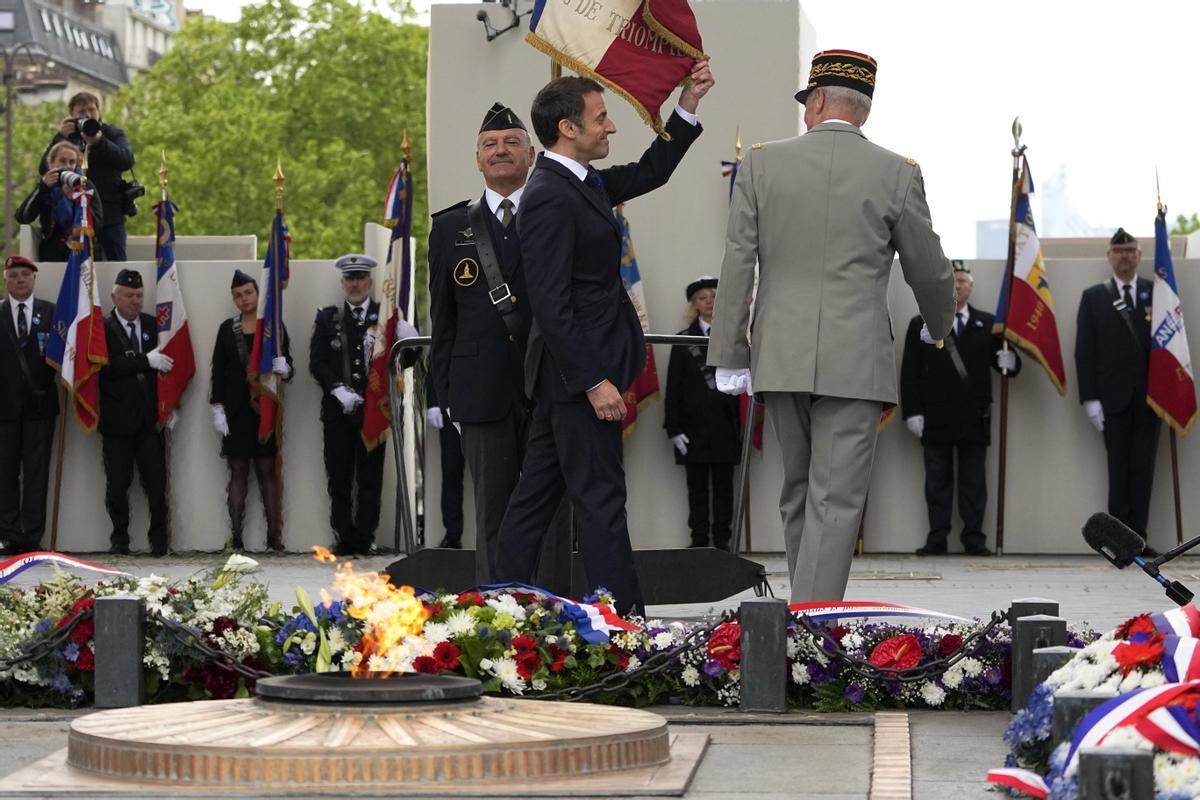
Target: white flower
[(507, 604), (970, 667), (690, 676), (663, 640), (448, 599), (932, 694), (506, 670), (793, 647), (377, 663), (952, 677), (460, 623), (351, 659), (239, 564), (539, 684), (308, 644), (337, 640), (634, 663), (436, 632), (852, 641), (800, 674)]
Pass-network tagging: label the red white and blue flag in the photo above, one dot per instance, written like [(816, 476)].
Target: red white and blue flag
[(266, 386), (640, 49), (77, 347), (1133, 709), (1171, 385), (174, 340), (594, 622), (1181, 658), (644, 389), (1181, 621), (1021, 780), (851, 609), (1025, 315), (14, 566)]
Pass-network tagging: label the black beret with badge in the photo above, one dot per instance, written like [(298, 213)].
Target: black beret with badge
[(129, 278), (355, 265), (500, 118), (844, 68), (1122, 236), (703, 282)]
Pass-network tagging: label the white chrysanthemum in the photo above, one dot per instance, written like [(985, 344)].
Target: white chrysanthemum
[(448, 599), (351, 659), (506, 670), (970, 667), (800, 674), (377, 663), (460, 623), (337, 640), (793, 647), (690, 676), (952, 677), (634, 663), (932, 694), (852, 641), (663, 640), (507, 604), (436, 632)]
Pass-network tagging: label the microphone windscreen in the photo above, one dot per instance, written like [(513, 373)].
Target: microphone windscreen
[(1112, 539)]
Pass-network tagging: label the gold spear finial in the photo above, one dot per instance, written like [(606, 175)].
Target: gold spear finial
[(1158, 190), (162, 173), (737, 145), (278, 185), (83, 169), (406, 145)]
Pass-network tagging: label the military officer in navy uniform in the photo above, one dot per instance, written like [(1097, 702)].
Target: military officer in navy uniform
[(129, 414), (480, 330), (1112, 358), (339, 358), (946, 399), (28, 406)]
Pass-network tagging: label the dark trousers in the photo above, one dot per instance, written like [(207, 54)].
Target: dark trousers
[(452, 482), (120, 454), (571, 452), (705, 481), (239, 487), (494, 452), (972, 492), (355, 481), (24, 476), (1131, 440), (111, 239)]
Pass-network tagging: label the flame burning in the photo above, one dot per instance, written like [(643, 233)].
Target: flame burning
[(391, 614)]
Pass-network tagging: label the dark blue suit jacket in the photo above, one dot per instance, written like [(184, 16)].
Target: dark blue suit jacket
[(20, 400), (585, 329), (1112, 368)]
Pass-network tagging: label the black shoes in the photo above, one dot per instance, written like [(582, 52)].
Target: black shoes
[(119, 550), (928, 550), (451, 542), (159, 550), (979, 551), (14, 549)]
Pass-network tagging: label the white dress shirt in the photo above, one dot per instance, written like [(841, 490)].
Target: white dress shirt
[(12, 306), (365, 305), (494, 198), (964, 314), (137, 330), (704, 326)]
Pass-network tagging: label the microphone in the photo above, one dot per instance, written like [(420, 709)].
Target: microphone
[(481, 15), (1114, 540)]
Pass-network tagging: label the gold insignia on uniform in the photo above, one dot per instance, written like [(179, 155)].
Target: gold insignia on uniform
[(466, 272), (756, 146), (912, 162), (467, 234)]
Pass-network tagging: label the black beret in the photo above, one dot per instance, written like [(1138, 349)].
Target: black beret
[(500, 118), (1122, 236), (703, 282), (241, 279), (129, 278)]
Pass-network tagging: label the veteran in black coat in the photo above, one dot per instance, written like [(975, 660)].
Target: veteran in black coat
[(952, 415), (129, 415), (28, 408), (586, 345), (1112, 360)]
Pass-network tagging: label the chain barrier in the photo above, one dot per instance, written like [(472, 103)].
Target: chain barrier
[(192, 639), (46, 646), (927, 671)]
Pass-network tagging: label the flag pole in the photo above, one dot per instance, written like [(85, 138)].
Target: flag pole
[(162, 188), (1017, 152), (63, 398), (405, 521), (276, 288), (1162, 210)]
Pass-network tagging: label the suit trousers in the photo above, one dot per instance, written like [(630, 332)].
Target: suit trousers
[(24, 477), (571, 452), (705, 482), (828, 446), (1131, 441), (452, 481), (355, 479), (972, 492), (120, 454)]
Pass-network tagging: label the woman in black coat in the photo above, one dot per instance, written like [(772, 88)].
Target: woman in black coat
[(50, 207), (235, 417), (703, 426)]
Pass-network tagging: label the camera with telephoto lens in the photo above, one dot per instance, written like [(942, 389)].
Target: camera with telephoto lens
[(69, 178), (87, 125), (130, 192)]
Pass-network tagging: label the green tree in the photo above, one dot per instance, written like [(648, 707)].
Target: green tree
[(1185, 225)]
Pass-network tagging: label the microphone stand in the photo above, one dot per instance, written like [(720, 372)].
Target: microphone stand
[(1176, 591)]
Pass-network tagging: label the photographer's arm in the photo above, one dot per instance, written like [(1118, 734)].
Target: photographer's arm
[(113, 147), (31, 207)]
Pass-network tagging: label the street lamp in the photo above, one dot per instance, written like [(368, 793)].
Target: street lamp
[(31, 49)]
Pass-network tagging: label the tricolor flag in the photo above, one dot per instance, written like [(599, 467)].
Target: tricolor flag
[(641, 49), (1025, 315), (14, 566), (394, 292), (1171, 386), (1181, 621), (1020, 780), (77, 348), (594, 622), (266, 387), (729, 169), (1134, 710), (173, 337), (858, 609), (645, 386)]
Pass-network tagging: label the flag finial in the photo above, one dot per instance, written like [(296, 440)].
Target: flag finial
[(406, 145), (1158, 191), (162, 173), (278, 185)]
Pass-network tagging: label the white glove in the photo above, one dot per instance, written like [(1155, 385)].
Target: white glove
[(1006, 360), (279, 366), (349, 399), (434, 418), (926, 337), (1095, 413), (172, 421), (916, 425), (404, 330), (681, 443), (733, 381), (220, 423), (457, 427), (160, 361)]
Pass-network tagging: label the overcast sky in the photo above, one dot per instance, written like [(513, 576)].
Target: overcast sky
[(1104, 89)]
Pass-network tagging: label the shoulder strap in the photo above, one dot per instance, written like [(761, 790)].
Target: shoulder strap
[(498, 291), (239, 341), (1126, 314), (951, 344)]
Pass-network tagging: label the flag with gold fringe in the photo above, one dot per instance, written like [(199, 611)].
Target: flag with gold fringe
[(640, 49), (644, 389)]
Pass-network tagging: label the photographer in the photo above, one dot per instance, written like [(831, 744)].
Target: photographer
[(49, 205), (108, 154)]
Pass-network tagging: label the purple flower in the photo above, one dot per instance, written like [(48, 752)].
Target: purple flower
[(43, 626), (713, 668), (71, 652), (61, 683), (594, 597), (993, 676), (855, 693), (293, 657)]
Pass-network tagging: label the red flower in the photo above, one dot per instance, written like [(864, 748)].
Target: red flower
[(1139, 624), (949, 643), (425, 664), (898, 652), (837, 632), (725, 645), (525, 598), (524, 643), (471, 598), (433, 608), (446, 656), (1131, 655), (558, 656), (86, 661), (528, 663), (84, 630)]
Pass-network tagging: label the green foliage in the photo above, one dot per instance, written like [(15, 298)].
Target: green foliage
[(1185, 225)]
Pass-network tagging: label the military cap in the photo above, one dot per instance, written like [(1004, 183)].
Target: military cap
[(1122, 236), (841, 68), (13, 262), (959, 265), (703, 282), (355, 265), (129, 278), (241, 279), (500, 118)]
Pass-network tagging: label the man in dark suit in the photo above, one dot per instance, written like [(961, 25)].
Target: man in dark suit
[(1112, 357), (129, 415), (28, 406), (480, 332), (946, 398), (586, 345)]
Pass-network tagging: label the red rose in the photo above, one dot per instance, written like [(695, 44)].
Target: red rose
[(471, 598), (558, 656), (898, 652), (1138, 624), (949, 643), (524, 643), (725, 645), (446, 656), (1131, 655), (425, 664), (86, 662)]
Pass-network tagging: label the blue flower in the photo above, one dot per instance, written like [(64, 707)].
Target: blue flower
[(504, 637), (71, 652), (61, 683), (43, 626), (855, 693), (484, 632), (293, 657), (713, 668), (594, 597), (993, 676)]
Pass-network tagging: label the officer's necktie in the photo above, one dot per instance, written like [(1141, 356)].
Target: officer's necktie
[(22, 324), (358, 315), (962, 323), (133, 338), (1128, 297), (507, 216)]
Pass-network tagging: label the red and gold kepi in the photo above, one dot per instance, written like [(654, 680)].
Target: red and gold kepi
[(841, 68)]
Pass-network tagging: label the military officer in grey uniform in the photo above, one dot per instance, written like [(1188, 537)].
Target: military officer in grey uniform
[(822, 215)]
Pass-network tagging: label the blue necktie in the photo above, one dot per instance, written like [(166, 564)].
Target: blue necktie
[(22, 325), (962, 323), (594, 180), (134, 345)]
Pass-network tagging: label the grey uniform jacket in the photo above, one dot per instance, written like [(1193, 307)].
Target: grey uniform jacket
[(822, 215)]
